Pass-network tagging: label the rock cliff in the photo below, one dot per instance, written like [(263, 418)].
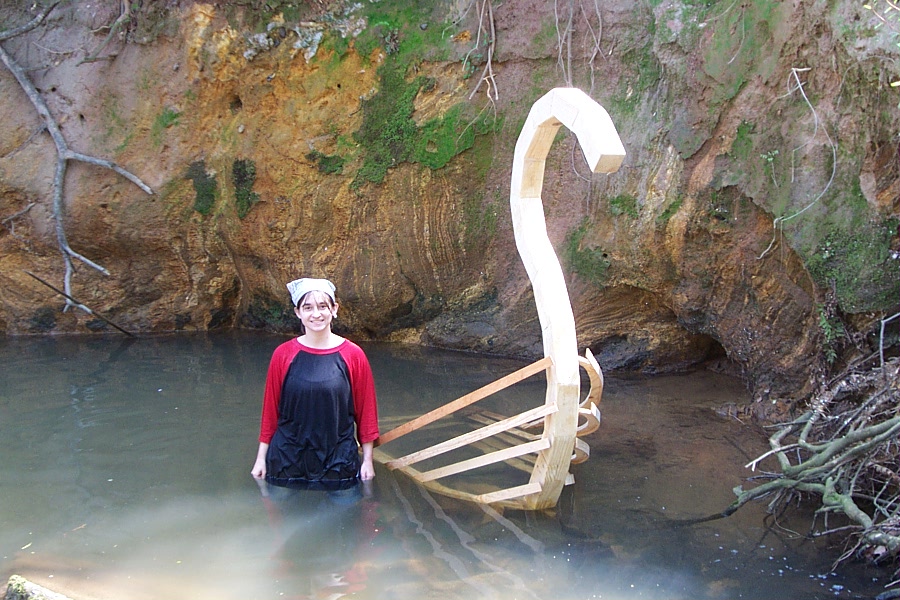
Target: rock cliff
[(754, 222)]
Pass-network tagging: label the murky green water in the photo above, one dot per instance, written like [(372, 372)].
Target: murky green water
[(125, 475)]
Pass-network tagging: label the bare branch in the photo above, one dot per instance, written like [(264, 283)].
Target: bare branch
[(124, 18), (64, 154), (37, 20)]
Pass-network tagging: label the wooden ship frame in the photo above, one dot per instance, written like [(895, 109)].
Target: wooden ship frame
[(544, 440)]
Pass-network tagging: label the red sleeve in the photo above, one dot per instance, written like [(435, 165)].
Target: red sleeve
[(362, 385), (278, 368)]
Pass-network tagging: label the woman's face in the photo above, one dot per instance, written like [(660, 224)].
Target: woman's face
[(316, 311)]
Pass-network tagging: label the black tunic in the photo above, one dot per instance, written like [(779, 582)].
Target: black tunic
[(314, 446)]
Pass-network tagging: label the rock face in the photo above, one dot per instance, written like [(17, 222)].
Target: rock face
[(755, 213)]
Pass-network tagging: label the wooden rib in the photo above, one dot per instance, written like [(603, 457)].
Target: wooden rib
[(472, 436), (582, 452), (595, 374), (470, 398), (591, 417), (484, 460), (509, 493)]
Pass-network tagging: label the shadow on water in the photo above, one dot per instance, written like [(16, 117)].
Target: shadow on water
[(125, 475)]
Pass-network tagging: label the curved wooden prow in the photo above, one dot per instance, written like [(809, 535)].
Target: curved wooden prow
[(557, 446)]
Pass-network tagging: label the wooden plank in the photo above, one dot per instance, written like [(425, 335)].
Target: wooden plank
[(470, 398), (509, 493), (524, 463), (472, 436), (487, 459), (487, 417)]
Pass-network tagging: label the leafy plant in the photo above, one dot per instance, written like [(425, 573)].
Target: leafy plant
[(832, 330), (623, 204), (769, 159), (167, 118), (330, 164)]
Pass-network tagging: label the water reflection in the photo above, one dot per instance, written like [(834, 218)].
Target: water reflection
[(125, 475)]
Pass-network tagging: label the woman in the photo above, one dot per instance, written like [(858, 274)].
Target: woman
[(319, 388)]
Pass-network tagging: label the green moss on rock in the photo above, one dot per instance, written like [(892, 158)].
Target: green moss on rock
[(857, 262), (389, 136), (265, 312), (43, 320), (624, 204)]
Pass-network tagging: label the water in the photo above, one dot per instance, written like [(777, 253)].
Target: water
[(125, 476)]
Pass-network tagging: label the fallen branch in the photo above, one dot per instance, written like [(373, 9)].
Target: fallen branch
[(80, 305), (844, 449)]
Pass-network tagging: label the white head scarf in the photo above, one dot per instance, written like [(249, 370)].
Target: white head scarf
[(300, 287)]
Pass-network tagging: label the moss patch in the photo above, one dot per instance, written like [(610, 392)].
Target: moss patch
[(389, 135), (388, 131), (741, 46), (205, 187), (330, 164), (669, 211), (742, 146), (858, 263), (440, 139), (591, 264), (265, 312), (408, 30), (623, 204), (164, 120), (42, 320), (243, 175)]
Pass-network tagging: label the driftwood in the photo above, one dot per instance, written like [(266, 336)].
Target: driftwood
[(63, 153), (562, 418)]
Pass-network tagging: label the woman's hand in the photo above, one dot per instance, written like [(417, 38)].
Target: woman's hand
[(367, 468), (259, 467), (366, 471)]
